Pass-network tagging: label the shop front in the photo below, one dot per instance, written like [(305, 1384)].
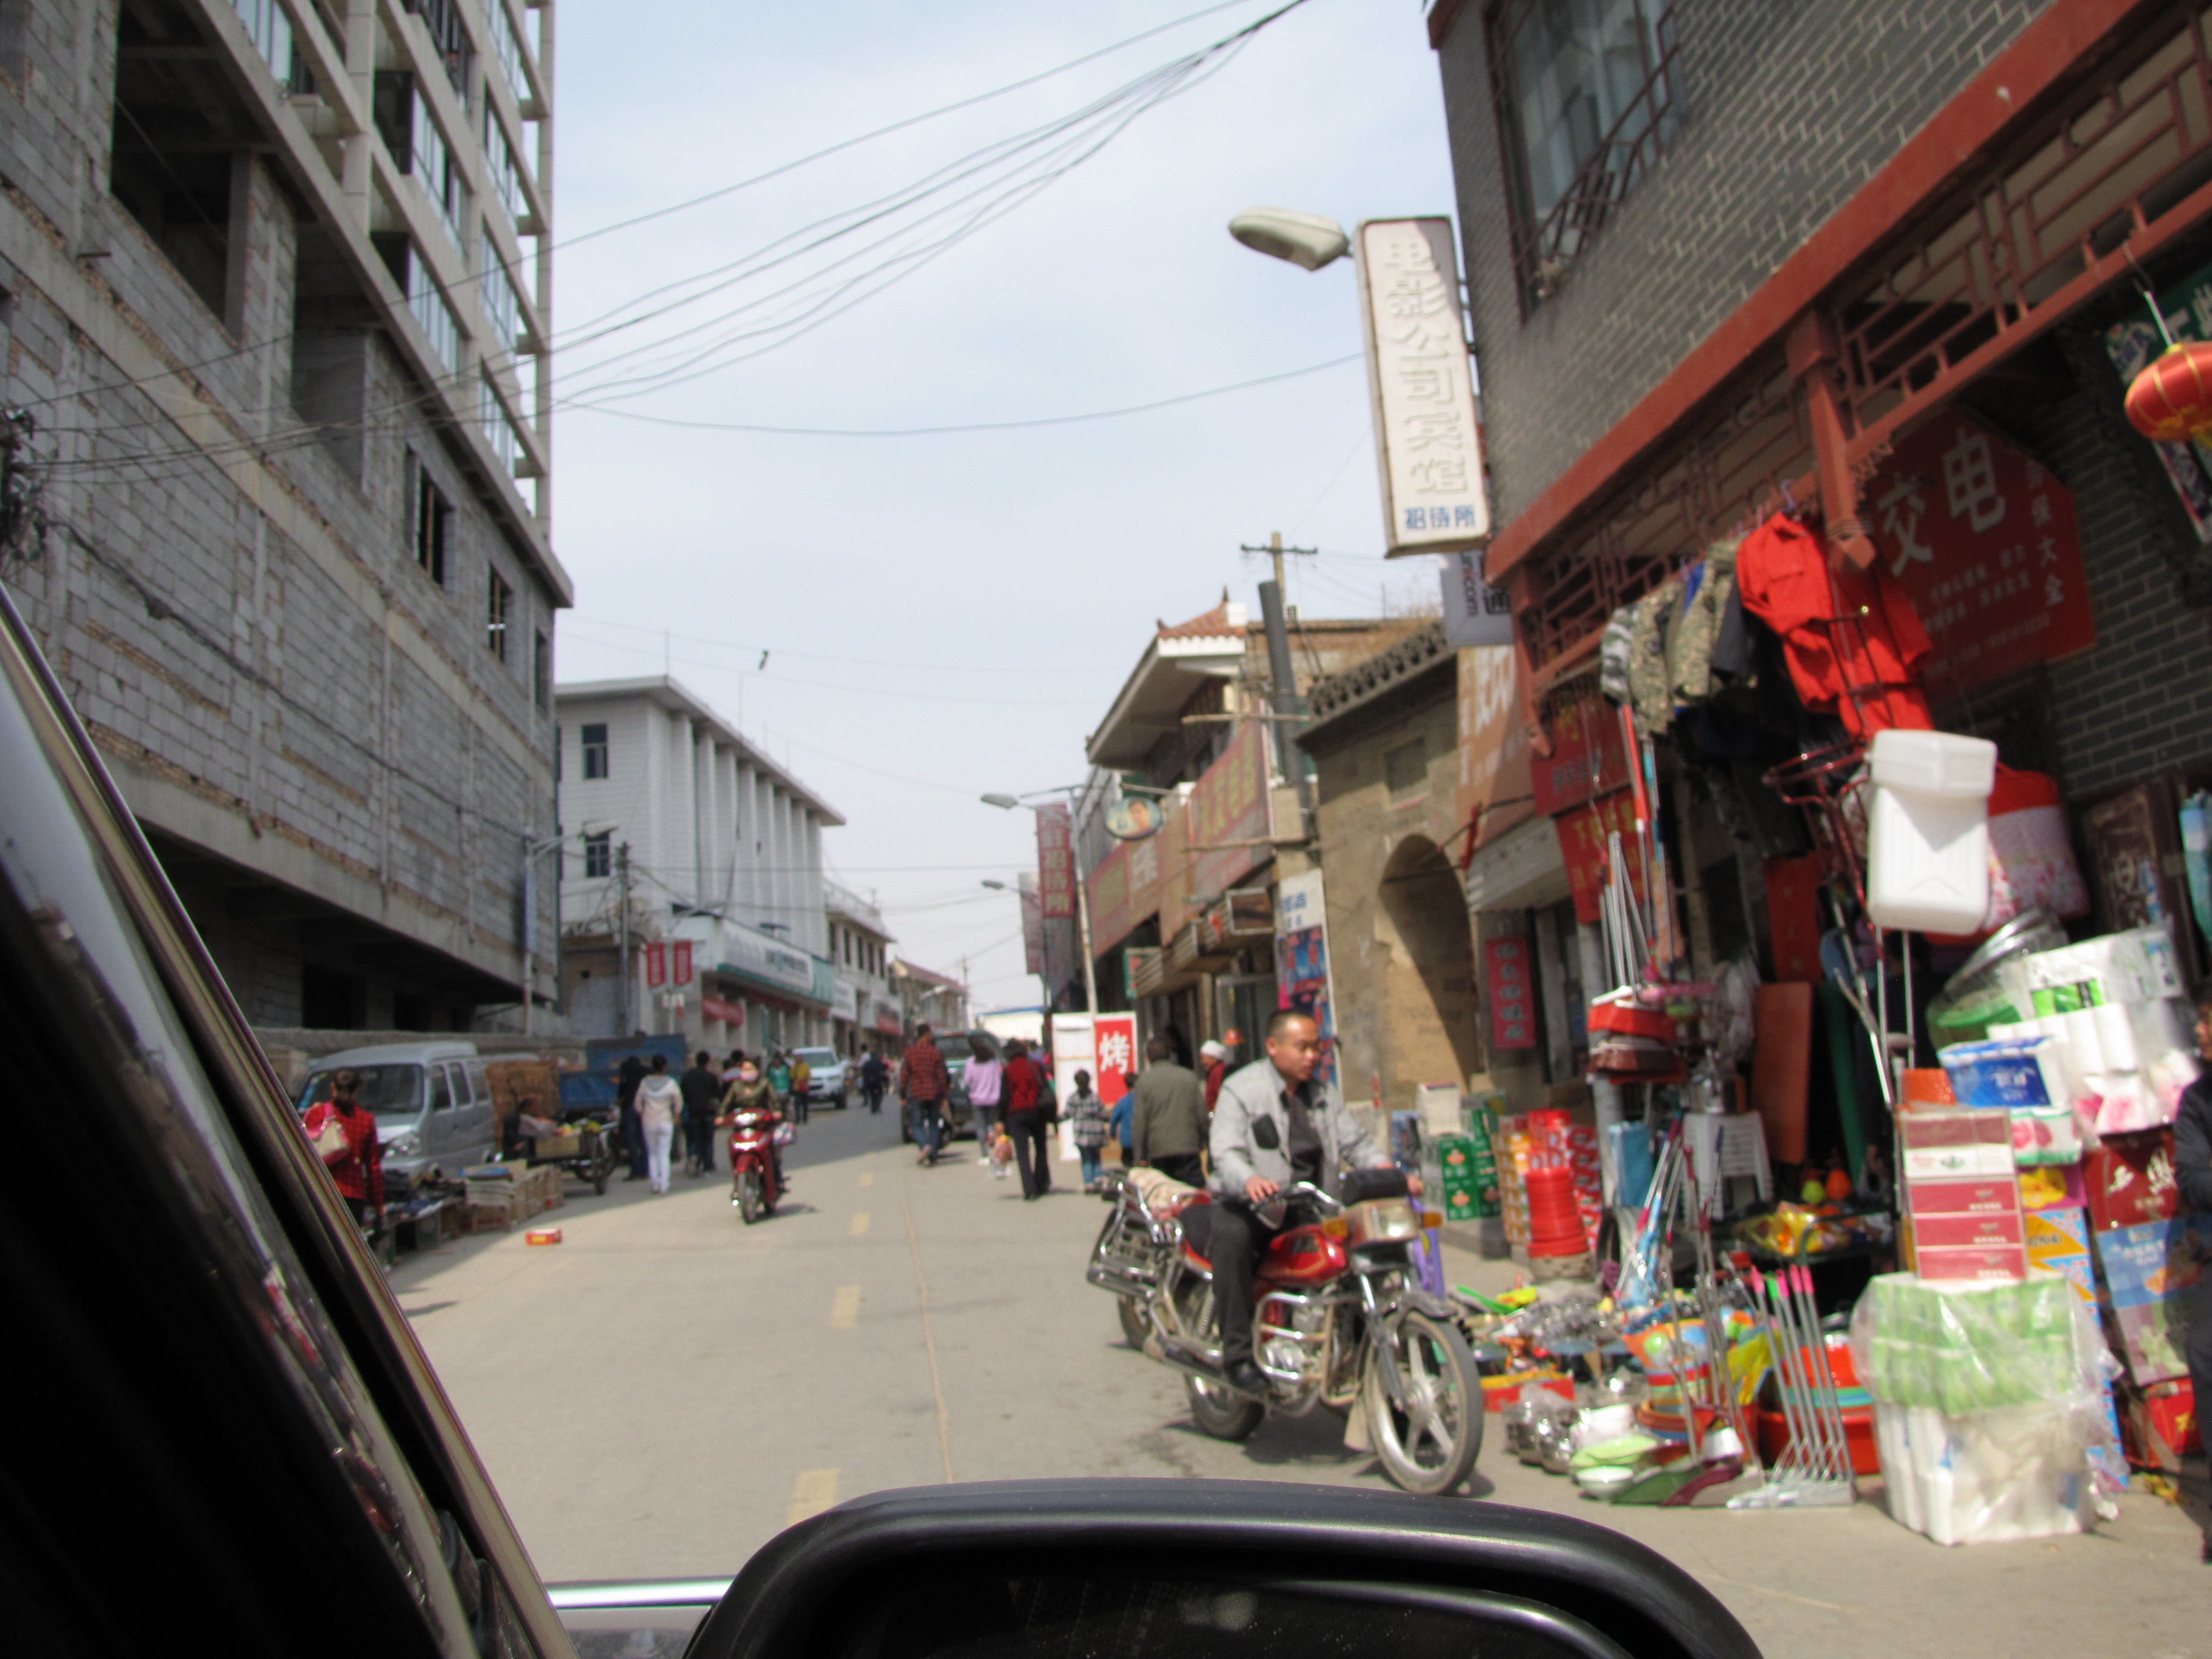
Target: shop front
[(1837, 959)]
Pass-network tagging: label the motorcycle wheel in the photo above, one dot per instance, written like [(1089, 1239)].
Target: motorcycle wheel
[(749, 1198), (1220, 1410), (1429, 1446), (1134, 1327)]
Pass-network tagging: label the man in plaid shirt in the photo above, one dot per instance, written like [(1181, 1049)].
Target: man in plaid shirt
[(924, 1084)]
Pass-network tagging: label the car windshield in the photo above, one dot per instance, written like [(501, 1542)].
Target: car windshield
[(817, 1059), (388, 1090)]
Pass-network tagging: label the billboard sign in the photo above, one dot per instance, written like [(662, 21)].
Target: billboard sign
[(1055, 860), (1302, 978), (1420, 380)]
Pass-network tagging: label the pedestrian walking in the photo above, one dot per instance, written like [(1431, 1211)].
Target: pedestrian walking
[(1122, 1124), (1086, 1115), (874, 1074), (342, 1131), (1025, 1120), (1215, 1061), (659, 1103), (985, 1080), (802, 1089), (779, 1076), (923, 1083), (701, 1088), (1169, 1121), (628, 1077)]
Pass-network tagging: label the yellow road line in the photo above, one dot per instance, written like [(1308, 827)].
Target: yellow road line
[(928, 1335), (859, 1223), (845, 1307), (868, 1181), (815, 1491)]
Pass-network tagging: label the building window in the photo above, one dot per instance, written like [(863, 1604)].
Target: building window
[(499, 611), (503, 165), (595, 751), (500, 301), (599, 850), (541, 669), (430, 517), (1586, 100), (449, 38), (507, 46), (1406, 769)]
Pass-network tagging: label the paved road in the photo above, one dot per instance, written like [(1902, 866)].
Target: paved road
[(664, 1390)]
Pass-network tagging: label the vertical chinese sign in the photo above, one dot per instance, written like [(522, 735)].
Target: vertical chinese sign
[(1494, 783), (1032, 924), (1056, 861), (1302, 980), (1511, 989), (680, 960), (1228, 816), (1113, 1038), (656, 964), (1984, 540), (1435, 497)]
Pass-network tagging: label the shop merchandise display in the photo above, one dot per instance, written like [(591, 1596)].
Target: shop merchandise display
[(1929, 1098)]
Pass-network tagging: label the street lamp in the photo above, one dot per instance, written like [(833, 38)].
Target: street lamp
[(537, 850), (1007, 802), (1307, 239)]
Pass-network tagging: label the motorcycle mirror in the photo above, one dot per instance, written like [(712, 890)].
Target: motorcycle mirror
[(1227, 1568)]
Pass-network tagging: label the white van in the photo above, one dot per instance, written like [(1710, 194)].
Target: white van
[(432, 1106)]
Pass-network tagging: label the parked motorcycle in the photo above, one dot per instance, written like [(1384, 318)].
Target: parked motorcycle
[(1339, 1321), (755, 1182)]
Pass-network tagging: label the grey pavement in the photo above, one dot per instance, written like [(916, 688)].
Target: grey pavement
[(664, 1390)]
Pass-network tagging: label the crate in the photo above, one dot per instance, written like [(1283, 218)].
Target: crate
[(493, 1216)]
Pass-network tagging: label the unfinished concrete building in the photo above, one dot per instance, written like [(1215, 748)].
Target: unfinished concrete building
[(275, 288)]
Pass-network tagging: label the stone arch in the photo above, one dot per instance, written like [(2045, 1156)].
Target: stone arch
[(1427, 1007)]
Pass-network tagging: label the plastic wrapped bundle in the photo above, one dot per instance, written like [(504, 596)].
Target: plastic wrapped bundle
[(1989, 1400)]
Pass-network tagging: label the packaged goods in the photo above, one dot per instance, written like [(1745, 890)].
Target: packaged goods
[(2151, 1271), (2012, 1073)]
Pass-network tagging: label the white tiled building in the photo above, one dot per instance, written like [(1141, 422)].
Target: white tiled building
[(718, 848)]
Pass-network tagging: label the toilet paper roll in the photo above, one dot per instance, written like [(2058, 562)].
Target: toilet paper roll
[(2085, 1054), (2116, 1037)]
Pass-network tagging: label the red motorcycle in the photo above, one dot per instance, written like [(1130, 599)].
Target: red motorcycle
[(755, 1172), (1341, 1322)]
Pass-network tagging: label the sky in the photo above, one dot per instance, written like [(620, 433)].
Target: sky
[(949, 615)]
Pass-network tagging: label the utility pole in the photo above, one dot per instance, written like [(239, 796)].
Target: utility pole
[(1284, 673), (621, 935)]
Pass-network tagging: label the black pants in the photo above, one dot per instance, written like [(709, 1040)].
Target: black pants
[(699, 1142), (1238, 1238), (798, 1105), (874, 1091), (633, 1141), (1185, 1167), (1032, 1139)]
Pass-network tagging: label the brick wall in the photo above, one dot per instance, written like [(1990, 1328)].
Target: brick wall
[(242, 614), (1787, 107)]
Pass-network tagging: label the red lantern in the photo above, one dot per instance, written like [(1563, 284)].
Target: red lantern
[(2171, 401)]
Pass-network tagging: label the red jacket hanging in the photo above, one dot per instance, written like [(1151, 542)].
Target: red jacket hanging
[(1852, 640)]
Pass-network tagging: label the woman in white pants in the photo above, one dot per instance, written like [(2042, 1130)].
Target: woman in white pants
[(660, 1101)]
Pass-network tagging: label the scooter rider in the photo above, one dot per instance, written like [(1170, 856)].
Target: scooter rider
[(1272, 1126), (752, 1092)]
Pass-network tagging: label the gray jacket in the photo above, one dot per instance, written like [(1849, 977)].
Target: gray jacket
[(1252, 1097), (1169, 1117)]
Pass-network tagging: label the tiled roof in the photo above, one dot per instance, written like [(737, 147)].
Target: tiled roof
[(1213, 625), (1363, 682)]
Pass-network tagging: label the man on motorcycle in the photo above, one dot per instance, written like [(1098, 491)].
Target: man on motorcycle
[(1272, 1126)]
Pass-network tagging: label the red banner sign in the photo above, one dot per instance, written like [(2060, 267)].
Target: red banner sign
[(680, 957), (1587, 756), (1984, 540), (730, 1013), (1056, 861), (1509, 981), (1584, 838), (1114, 1042), (656, 964)]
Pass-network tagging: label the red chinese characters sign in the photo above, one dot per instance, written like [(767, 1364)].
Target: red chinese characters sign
[(1587, 755), (1984, 540), (1511, 987), (656, 964), (1585, 837), (1055, 862), (680, 963)]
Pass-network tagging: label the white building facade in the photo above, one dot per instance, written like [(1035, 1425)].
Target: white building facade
[(868, 1014), (692, 875)]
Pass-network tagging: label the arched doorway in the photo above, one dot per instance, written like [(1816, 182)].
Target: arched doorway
[(1427, 1021)]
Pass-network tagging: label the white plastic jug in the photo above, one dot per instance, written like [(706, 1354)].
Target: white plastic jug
[(1928, 837)]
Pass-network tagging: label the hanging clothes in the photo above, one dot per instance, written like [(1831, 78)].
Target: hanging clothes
[(1853, 642), (1693, 669), (1613, 653), (1648, 690)]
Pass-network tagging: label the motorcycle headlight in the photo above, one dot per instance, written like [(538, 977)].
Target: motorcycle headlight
[(405, 1146)]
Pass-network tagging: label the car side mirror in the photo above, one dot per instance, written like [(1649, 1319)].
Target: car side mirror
[(1220, 1569)]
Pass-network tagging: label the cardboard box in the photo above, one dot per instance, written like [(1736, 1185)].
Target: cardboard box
[(1979, 1233), (2150, 1274), (2009, 1261), (1965, 1198), (2131, 1180)]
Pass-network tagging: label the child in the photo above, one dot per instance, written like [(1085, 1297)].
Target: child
[(1123, 1122), (1087, 1113)]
